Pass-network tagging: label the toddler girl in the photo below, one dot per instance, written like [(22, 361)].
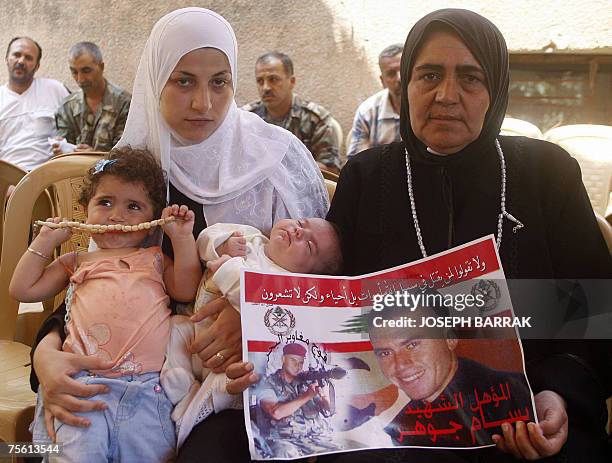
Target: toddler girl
[(117, 307)]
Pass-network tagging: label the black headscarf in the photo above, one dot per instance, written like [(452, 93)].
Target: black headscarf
[(487, 45)]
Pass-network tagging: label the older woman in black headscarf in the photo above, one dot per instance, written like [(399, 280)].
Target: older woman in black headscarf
[(453, 179)]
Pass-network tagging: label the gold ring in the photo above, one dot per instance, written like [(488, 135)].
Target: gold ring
[(220, 356)]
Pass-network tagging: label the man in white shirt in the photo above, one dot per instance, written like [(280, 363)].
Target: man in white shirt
[(377, 118), (27, 107)]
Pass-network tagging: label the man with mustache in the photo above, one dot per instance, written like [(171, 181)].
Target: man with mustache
[(310, 122), (27, 105), (377, 118), (94, 117)]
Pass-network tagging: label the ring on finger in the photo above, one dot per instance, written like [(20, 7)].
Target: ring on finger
[(220, 356)]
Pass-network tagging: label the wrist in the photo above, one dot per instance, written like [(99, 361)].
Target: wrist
[(44, 245), (52, 341), (559, 398), (181, 238)]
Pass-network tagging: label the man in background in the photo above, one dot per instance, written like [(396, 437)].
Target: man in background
[(27, 105), (92, 118), (308, 121), (377, 119)]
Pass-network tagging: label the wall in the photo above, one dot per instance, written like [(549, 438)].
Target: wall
[(334, 43)]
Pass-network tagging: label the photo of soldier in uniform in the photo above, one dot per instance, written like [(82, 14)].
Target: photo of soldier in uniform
[(294, 406)]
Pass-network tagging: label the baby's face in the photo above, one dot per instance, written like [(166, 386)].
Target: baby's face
[(302, 245)]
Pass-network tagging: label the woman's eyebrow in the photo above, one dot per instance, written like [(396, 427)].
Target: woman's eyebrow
[(184, 73), (438, 67), (428, 67), (221, 73), (190, 74), (470, 68)]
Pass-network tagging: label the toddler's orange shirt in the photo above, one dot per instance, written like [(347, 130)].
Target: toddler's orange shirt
[(119, 311)]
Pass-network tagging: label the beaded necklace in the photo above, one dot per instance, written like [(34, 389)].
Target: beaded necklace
[(97, 228), (500, 219)]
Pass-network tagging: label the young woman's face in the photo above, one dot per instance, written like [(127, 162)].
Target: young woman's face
[(198, 94)]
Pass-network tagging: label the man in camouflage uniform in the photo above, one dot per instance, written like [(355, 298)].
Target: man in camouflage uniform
[(94, 117), (297, 411), (308, 121)]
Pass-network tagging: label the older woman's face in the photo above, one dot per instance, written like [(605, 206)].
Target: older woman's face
[(447, 94), (198, 94)]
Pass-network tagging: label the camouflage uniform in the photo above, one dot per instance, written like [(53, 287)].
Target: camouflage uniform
[(102, 130), (309, 122), (305, 432)]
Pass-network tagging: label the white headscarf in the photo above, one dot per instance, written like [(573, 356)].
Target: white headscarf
[(247, 171)]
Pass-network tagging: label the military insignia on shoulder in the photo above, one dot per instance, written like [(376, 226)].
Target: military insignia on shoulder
[(316, 109), (279, 321)]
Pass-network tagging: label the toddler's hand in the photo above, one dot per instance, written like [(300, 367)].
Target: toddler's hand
[(54, 236), (240, 376), (234, 246), (183, 225), (213, 265)]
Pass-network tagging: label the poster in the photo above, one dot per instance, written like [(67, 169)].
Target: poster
[(426, 354)]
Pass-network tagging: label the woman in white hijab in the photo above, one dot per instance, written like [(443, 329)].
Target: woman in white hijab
[(226, 164), (239, 168)]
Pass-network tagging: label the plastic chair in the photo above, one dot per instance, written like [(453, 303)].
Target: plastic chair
[(331, 188), (591, 146), (340, 139), (606, 230), (327, 175), (11, 175), (518, 127), (16, 399)]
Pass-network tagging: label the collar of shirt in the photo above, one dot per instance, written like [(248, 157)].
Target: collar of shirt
[(387, 111), (105, 105), (294, 112)]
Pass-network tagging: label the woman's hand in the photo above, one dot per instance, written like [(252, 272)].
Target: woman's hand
[(241, 376), (54, 369), (533, 441), (221, 344), (183, 225)]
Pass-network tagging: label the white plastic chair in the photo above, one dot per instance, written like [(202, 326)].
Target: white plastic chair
[(591, 146), (16, 399), (518, 127)]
